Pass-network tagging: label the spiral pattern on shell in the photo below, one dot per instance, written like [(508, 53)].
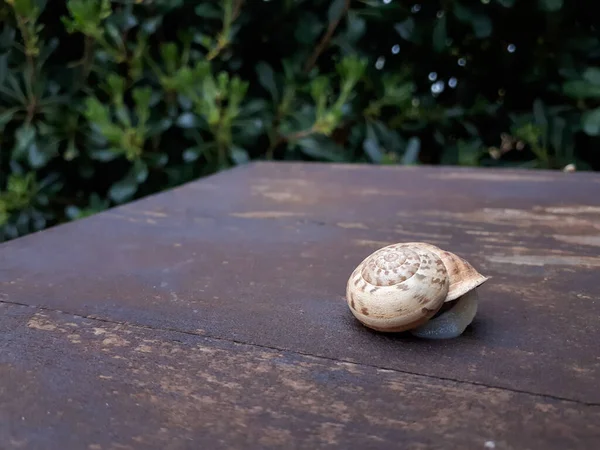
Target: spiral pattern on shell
[(398, 287), (391, 265), (462, 275)]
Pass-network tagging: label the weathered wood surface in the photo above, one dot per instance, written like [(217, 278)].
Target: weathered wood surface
[(70, 382), (213, 314)]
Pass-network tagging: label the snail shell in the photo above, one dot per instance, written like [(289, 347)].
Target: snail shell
[(463, 276), (402, 286)]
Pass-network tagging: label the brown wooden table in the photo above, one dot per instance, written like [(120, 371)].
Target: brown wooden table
[(212, 316)]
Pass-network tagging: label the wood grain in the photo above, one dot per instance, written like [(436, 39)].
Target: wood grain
[(260, 256), (75, 383)]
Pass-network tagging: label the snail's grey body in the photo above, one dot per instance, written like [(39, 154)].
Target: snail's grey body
[(453, 322)]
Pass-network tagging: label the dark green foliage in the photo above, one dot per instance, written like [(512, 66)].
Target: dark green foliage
[(105, 101)]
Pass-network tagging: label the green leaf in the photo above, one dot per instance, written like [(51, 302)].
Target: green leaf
[(482, 26), (406, 29), (462, 13), (308, 28), (550, 5), (124, 19), (481, 23), (253, 107), (239, 155), (122, 114), (140, 170), (3, 66), (187, 120), (249, 129), (124, 189), (151, 24), (113, 32), (37, 156), (558, 128), (71, 152), (411, 154), (266, 77), (592, 75), (590, 121), (321, 149), (390, 140), (6, 115), (581, 89), (73, 212), (157, 159), (157, 128), (25, 137), (7, 36), (336, 9), (440, 34), (207, 11), (439, 137), (371, 145), (191, 154), (103, 155), (356, 27), (453, 113), (541, 120), (539, 114), (468, 152), (471, 128)]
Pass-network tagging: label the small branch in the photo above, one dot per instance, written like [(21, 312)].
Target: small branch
[(31, 110), (88, 56), (290, 137), (320, 48), (300, 134), (223, 40), (236, 9)]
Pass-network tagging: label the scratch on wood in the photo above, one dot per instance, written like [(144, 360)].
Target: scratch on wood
[(270, 183), (408, 217), (580, 209), (276, 192), (370, 243), (282, 196), (362, 226), (154, 214), (370, 191), (581, 240), (517, 217), (265, 214), (543, 260), (121, 217), (491, 176)]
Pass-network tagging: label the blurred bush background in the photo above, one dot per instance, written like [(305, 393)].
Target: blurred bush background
[(102, 102)]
